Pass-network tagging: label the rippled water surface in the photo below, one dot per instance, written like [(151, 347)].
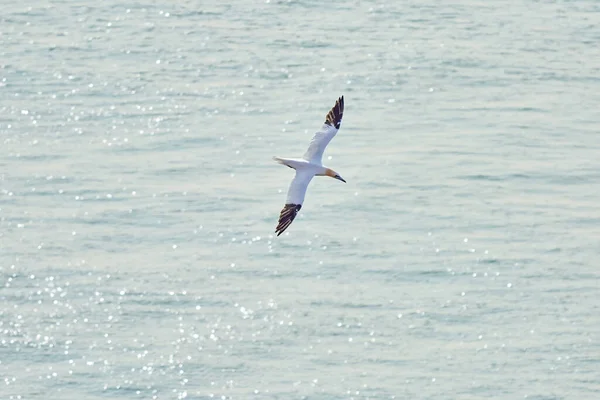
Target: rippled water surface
[(138, 200)]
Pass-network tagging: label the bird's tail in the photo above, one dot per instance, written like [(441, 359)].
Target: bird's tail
[(284, 161)]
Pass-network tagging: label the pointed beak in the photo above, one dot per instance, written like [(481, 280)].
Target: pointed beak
[(339, 178)]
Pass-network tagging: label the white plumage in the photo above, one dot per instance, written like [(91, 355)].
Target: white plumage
[(297, 190), (319, 141), (309, 165)]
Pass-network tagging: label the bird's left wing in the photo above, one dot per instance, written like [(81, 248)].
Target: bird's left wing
[(295, 198), (321, 138)]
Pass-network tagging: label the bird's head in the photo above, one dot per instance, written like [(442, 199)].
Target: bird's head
[(334, 175)]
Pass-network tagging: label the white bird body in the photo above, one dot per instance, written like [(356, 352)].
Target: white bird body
[(305, 171), (309, 166)]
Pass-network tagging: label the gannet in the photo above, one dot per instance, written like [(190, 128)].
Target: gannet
[(309, 165)]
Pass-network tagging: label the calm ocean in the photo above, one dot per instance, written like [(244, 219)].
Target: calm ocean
[(139, 199)]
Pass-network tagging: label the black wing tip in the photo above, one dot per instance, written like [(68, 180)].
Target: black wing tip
[(334, 117), (286, 217)]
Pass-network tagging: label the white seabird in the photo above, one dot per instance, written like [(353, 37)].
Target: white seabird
[(309, 165)]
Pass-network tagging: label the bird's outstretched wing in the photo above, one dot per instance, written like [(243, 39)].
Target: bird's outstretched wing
[(295, 198), (322, 137)]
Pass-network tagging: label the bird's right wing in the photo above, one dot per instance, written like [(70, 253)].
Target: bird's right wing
[(321, 138), (295, 198)]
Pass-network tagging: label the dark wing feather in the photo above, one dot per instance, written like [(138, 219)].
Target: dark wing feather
[(286, 217), (334, 116)]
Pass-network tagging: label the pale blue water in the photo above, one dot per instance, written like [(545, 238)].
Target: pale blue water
[(138, 200)]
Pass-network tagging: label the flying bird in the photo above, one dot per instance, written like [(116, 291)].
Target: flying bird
[(309, 166)]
